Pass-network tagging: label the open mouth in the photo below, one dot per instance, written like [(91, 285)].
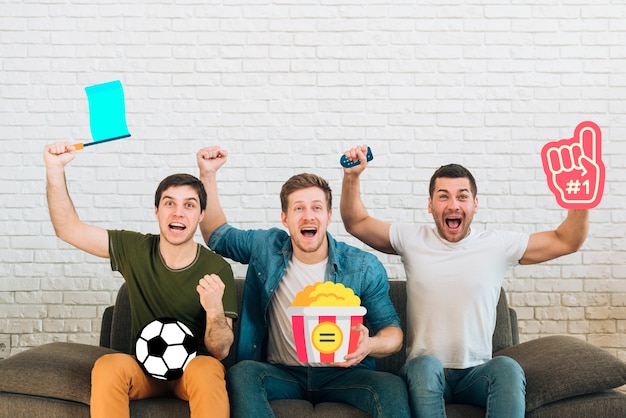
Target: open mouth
[(308, 232), (175, 226), (453, 223)]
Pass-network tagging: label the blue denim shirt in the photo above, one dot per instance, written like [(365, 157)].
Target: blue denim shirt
[(267, 253)]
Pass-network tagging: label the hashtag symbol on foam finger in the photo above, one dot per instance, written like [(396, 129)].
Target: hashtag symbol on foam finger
[(574, 168), (573, 186)]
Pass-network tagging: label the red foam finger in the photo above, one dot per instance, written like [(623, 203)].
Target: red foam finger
[(590, 139), (574, 169)]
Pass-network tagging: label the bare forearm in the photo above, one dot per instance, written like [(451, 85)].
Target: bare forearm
[(60, 205), (214, 216), (388, 341), (218, 337), (566, 239), (358, 222), (67, 225), (351, 206)]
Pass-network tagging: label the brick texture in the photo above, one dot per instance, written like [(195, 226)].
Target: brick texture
[(286, 87)]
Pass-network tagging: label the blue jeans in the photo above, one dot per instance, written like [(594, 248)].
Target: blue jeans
[(499, 386), (251, 385)]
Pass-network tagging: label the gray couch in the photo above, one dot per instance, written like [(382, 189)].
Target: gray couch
[(566, 377)]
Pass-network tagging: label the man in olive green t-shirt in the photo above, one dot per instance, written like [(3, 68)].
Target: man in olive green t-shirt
[(167, 275)]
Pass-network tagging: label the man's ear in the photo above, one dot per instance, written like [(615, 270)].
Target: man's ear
[(430, 205), (283, 218)]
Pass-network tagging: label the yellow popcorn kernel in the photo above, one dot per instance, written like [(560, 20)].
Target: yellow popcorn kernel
[(326, 294)]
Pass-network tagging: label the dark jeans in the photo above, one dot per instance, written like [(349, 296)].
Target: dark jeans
[(251, 385)]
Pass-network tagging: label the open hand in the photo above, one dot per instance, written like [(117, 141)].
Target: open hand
[(362, 349)]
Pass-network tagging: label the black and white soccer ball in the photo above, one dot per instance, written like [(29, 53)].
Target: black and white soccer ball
[(164, 347)]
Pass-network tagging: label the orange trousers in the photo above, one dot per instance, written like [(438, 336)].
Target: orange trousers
[(117, 378)]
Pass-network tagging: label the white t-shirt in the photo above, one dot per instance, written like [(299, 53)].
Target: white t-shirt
[(281, 347), (453, 290)]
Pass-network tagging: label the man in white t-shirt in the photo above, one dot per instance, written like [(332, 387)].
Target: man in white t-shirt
[(454, 275)]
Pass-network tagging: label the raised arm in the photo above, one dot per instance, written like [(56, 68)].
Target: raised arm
[(67, 224), (210, 159), (566, 239), (356, 220)]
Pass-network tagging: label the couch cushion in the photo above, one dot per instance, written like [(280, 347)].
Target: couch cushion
[(560, 367), (289, 408), (15, 405), (55, 370), (610, 403), (162, 407)]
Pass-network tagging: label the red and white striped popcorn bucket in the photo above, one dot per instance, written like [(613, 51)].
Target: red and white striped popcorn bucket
[(323, 334)]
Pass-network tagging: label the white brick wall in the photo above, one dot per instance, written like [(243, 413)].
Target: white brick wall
[(286, 87)]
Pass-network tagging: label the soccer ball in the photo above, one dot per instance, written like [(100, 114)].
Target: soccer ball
[(164, 347)]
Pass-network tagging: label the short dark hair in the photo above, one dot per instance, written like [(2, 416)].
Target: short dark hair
[(452, 171), (304, 181), (178, 180)]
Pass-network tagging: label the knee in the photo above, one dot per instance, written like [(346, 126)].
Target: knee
[(203, 367), (508, 371), (99, 367), (240, 372), (114, 370), (106, 365), (239, 368), (428, 365), (422, 369), (101, 364)]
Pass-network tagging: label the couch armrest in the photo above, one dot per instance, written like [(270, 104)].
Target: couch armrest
[(559, 367), (58, 370)]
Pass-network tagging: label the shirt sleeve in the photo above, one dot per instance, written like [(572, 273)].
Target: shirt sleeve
[(381, 312), (396, 236), (229, 300), (515, 245), (122, 247), (232, 243)]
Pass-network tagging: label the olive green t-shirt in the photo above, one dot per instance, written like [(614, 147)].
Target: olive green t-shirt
[(156, 290)]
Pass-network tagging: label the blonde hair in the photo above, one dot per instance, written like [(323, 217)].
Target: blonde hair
[(304, 181)]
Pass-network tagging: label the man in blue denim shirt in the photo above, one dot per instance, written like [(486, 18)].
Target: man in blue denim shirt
[(281, 264)]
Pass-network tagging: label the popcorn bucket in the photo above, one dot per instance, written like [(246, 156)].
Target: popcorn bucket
[(323, 334)]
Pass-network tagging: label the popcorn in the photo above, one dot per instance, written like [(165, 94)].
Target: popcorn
[(326, 294), (322, 317)]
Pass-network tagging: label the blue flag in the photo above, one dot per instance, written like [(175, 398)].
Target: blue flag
[(107, 114)]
